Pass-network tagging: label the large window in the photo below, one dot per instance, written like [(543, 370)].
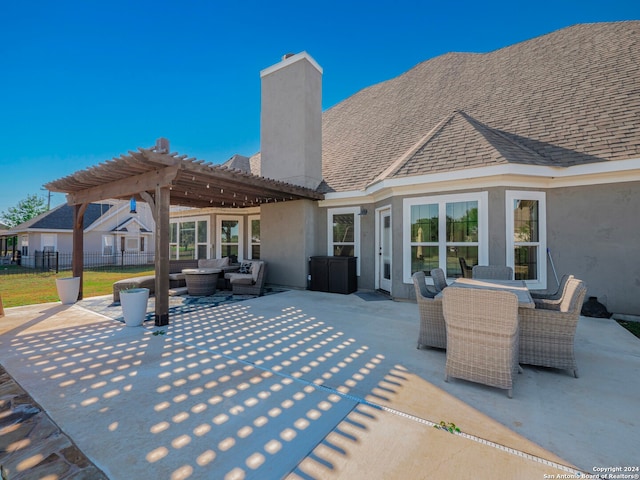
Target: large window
[(107, 245), (526, 236), (189, 238), (439, 231), (24, 245), (49, 242), (254, 237), (229, 237), (344, 233)]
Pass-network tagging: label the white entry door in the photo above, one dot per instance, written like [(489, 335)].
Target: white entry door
[(384, 249)]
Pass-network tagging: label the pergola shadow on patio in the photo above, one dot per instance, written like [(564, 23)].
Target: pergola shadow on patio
[(310, 385), (162, 179)]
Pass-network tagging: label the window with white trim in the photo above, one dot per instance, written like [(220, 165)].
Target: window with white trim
[(254, 237), (526, 236), (189, 238), (49, 242), (229, 237), (439, 231), (132, 244), (24, 245), (107, 245), (343, 234)]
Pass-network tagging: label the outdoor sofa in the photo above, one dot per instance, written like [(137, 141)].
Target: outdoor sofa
[(176, 277)]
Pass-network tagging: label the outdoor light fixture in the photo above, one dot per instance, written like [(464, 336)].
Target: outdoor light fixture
[(132, 205)]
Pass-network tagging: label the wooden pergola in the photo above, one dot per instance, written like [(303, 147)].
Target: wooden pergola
[(159, 178)]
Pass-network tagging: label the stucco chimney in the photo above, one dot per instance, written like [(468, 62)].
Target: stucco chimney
[(291, 121)]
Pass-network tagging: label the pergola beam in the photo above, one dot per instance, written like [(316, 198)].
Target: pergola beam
[(122, 188)]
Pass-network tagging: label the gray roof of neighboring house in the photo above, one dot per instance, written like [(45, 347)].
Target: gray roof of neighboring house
[(61, 217), (566, 98)]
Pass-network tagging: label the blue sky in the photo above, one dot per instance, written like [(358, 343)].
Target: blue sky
[(82, 82)]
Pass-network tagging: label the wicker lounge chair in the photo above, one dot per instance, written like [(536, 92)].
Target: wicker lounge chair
[(492, 272), (547, 336), (439, 280), (432, 332), (482, 336)]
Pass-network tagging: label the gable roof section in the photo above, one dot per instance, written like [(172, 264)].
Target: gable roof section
[(124, 226), (462, 142), (567, 98)]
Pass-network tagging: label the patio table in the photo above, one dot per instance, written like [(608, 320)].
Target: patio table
[(201, 281), (519, 287)]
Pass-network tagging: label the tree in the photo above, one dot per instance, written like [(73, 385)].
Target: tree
[(26, 209)]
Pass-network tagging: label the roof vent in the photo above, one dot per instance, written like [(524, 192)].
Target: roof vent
[(287, 55)]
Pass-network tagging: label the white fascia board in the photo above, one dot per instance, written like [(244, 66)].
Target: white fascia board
[(526, 175), (343, 199), (532, 176), (48, 230), (288, 61)]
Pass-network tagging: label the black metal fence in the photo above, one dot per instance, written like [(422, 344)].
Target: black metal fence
[(54, 262)]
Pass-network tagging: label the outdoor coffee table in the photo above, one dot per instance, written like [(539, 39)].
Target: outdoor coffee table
[(201, 281)]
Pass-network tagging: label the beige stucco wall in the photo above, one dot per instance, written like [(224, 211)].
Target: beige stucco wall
[(594, 233), (288, 238)]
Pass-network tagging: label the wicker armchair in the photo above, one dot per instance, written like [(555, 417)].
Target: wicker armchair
[(439, 280), (466, 269), (492, 272), (547, 336), (432, 329), (544, 295), (482, 336), (249, 283)]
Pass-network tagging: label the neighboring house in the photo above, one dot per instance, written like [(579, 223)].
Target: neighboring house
[(527, 156), (109, 230)]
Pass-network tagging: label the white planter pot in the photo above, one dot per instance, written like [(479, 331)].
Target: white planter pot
[(134, 305), (68, 289)]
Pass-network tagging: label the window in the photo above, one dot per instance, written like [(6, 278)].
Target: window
[(254, 237), (107, 245), (440, 230), (526, 236), (189, 238), (229, 241), (344, 233), (49, 242), (24, 245), (131, 244)]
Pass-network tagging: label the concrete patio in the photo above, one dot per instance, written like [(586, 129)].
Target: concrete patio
[(310, 385)]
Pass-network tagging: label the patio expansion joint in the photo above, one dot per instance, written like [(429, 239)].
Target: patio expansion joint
[(362, 401)]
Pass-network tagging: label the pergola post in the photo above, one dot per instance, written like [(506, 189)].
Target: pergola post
[(77, 260), (161, 213)]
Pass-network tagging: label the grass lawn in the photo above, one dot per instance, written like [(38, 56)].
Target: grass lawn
[(633, 327), (29, 289)]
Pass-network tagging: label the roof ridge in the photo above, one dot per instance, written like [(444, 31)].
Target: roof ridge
[(402, 160)]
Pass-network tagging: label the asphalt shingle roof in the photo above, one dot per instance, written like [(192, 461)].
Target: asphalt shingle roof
[(570, 97), (61, 217)]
